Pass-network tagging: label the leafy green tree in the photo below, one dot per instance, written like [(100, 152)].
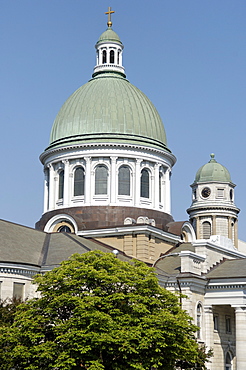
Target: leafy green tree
[(203, 356), (8, 310), (96, 312)]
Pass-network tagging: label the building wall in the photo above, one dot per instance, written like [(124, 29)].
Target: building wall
[(142, 246)]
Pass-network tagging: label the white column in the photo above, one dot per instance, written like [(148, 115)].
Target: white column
[(120, 58), (113, 180), (99, 56), (167, 203), (88, 180), (240, 316), (137, 182), (66, 183), (156, 186), (52, 187), (46, 189), (207, 331)]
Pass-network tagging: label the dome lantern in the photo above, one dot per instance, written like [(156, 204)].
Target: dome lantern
[(109, 50)]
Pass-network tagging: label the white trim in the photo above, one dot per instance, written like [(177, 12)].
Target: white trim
[(49, 227), (130, 230)]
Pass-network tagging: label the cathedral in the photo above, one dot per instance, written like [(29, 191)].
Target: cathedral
[(107, 183)]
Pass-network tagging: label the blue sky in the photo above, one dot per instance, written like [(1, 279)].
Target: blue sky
[(187, 56)]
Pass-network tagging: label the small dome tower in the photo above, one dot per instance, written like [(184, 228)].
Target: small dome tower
[(213, 211)]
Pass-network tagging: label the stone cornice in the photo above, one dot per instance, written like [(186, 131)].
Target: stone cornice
[(136, 229), (214, 246), (6, 268), (49, 152), (241, 286), (209, 208)]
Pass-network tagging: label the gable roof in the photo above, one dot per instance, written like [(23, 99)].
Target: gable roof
[(26, 246), (235, 268)]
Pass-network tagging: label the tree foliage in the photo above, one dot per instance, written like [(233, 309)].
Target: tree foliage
[(96, 312)]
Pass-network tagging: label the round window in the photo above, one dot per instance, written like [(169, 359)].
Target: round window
[(206, 192)]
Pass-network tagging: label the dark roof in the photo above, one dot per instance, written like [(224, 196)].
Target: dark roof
[(175, 227), (170, 263), (235, 268), (24, 245)]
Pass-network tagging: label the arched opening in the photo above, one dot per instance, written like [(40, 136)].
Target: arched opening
[(206, 230), (144, 191), (111, 57), (228, 365), (79, 181), (64, 229), (101, 180), (104, 57), (199, 320), (118, 58), (124, 180), (61, 184)]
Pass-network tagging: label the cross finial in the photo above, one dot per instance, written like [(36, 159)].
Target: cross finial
[(109, 12)]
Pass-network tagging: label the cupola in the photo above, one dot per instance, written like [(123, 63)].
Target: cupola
[(213, 211), (109, 51)]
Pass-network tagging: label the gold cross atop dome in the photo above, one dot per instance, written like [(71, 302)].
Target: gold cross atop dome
[(109, 12)]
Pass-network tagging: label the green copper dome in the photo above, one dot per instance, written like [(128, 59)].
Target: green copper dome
[(213, 171), (109, 35), (108, 109)]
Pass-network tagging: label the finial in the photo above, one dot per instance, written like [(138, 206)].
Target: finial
[(212, 155), (109, 12)]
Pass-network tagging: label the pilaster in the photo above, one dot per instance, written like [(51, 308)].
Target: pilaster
[(113, 181), (209, 330), (240, 316), (137, 182), (214, 232), (167, 204), (66, 183), (52, 186), (88, 180), (46, 189), (156, 186)]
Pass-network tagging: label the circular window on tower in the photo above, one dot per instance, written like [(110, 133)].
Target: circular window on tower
[(206, 192)]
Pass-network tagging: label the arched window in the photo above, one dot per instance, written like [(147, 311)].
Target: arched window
[(118, 58), (144, 193), (104, 59), (61, 184), (124, 180), (101, 180), (228, 361), (111, 58), (64, 229), (206, 230), (199, 320), (79, 181), (160, 187)]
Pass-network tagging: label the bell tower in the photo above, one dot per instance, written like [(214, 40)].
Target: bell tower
[(213, 210)]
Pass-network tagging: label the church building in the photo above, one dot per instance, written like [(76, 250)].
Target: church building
[(107, 186)]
